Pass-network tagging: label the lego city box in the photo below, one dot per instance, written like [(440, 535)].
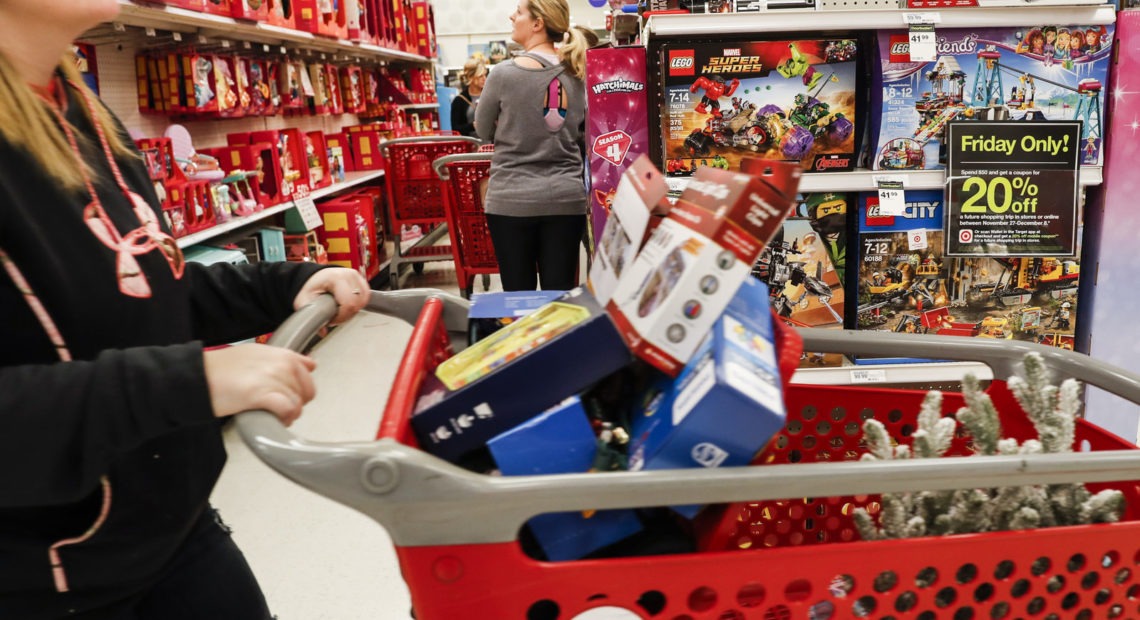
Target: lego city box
[(792, 100), (639, 198), (804, 266), (1043, 72), (617, 125), (561, 441), (726, 403), (518, 372), (698, 256)]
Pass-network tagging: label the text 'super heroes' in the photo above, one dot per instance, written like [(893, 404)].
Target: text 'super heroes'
[(734, 64)]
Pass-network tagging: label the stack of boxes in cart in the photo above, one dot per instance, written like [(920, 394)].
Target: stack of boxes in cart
[(666, 360)]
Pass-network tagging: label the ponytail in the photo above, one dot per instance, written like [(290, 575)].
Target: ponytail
[(573, 52)]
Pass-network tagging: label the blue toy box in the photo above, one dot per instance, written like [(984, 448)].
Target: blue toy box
[(517, 373), (727, 402), (490, 312), (1012, 73), (561, 441)]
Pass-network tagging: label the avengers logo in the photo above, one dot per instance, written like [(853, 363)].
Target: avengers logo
[(828, 163)]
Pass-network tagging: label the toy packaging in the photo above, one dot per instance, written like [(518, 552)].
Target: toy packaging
[(690, 268), (1044, 72), (639, 196), (780, 100), (726, 403), (804, 267), (490, 312), (617, 129), (490, 387), (561, 441)]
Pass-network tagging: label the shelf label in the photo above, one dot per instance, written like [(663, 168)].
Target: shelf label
[(892, 200), (922, 43), (177, 36), (309, 214), (869, 375), (150, 32), (922, 18)]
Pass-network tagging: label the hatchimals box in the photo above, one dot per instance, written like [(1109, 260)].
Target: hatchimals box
[(561, 441), (1033, 73), (726, 403)]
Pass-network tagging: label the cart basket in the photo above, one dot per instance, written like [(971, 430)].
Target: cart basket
[(456, 532)]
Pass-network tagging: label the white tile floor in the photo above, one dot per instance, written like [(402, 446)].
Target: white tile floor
[(316, 559)]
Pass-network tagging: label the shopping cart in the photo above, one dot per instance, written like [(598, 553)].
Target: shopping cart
[(416, 196), (456, 532), (466, 176)]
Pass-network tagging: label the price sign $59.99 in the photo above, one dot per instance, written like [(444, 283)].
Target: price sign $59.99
[(1012, 188)]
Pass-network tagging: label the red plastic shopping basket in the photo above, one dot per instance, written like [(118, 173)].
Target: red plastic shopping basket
[(416, 195), (465, 177), (456, 532)]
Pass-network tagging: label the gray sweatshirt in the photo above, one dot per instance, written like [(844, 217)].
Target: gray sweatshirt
[(536, 118)]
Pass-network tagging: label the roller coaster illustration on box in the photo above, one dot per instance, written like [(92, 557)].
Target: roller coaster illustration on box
[(1032, 74), (787, 100)]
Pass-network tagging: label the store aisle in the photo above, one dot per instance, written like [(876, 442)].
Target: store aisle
[(316, 559)]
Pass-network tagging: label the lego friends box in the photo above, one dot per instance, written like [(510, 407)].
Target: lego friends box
[(1047, 72), (781, 100)]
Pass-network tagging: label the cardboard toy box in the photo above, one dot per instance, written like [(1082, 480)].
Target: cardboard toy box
[(782, 100), (209, 255), (561, 441), (987, 74), (491, 387), (725, 405), (698, 256), (638, 200), (617, 129), (490, 312), (804, 267)]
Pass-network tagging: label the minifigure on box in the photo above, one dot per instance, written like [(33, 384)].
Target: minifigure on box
[(714, 88)]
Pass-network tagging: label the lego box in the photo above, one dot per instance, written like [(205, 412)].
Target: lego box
[(1053, 72), (697, 258), (724, 406), (780, 100)]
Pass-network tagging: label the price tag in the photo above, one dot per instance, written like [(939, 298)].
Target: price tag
[(869, 376), (226, 44), (892, 198), (150, 32), (309, 214), (922, 43), (922, 18), (246, 45), (283, 50), (916, 239), (265, 47), (202, 39), (177, 36)]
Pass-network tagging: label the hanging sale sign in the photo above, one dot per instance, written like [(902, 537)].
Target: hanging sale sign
[(1012, 188)]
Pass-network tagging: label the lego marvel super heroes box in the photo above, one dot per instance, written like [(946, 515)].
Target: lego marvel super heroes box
[(617, 130), (779, 100), (906, 285), (1043, 72)]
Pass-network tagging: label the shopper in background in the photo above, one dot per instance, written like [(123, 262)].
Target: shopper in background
[(533, 108), (474, 76), (109, 436)]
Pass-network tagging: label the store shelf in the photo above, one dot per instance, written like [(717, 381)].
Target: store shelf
[(864, 180), (891, 374), (174, 19), (419, 106), (351, 179), (794, 20)]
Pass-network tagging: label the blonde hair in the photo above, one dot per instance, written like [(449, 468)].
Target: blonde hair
[(555, 14), (473, 68), (27, 124)]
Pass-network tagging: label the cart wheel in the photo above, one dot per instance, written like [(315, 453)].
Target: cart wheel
[(486, 282), (418, 268)]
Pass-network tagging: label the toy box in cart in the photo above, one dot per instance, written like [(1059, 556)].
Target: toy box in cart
[(1033, 73), (783, 100)]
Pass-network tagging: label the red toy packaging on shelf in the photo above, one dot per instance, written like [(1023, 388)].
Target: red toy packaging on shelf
[(281, 13), (306, 16), (365, 147), (242, 161), (317, 159), (780, 100), (348, 233), (334, 141)]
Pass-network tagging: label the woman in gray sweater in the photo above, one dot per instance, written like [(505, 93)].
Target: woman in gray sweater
[(533, 108)]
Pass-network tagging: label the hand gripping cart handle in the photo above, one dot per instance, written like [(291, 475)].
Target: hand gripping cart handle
[(425, 502)]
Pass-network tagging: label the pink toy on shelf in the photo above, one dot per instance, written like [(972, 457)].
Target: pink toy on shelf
[(197, 167)]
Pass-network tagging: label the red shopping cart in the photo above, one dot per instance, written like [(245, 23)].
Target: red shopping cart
[(416, 196), (456, 531), (466, 177)]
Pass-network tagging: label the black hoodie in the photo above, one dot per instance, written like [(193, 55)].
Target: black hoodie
[(133, 406)]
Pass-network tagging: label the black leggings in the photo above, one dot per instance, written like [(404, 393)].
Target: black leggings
[(546, 242)]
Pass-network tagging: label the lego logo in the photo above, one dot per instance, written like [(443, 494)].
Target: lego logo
[(683, 62), (900, 48)]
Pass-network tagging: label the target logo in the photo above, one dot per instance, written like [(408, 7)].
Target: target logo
[(966, 235)]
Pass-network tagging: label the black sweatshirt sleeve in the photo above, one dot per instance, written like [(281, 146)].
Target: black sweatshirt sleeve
[(62, 424), (235, 302), (459, 107)]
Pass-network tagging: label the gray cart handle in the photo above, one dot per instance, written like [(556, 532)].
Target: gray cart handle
[(384, 143), (447, 159), (422, 500)]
